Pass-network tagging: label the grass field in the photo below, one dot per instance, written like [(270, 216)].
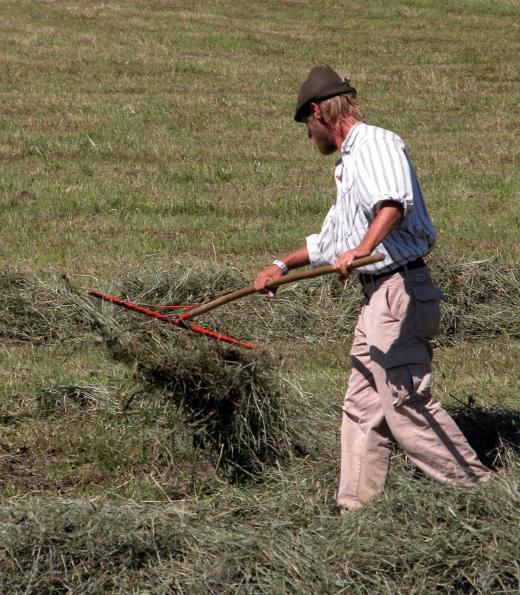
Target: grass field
[(147, 146)]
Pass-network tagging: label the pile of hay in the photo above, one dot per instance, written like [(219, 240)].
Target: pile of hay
[(322, 309), (234, 400), (422, 537), (35, 311), (483, 298), (482, 301)]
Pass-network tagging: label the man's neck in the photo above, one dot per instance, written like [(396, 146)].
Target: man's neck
[(340, 135)]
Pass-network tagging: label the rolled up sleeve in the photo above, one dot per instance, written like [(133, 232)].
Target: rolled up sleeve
[(384, 173)]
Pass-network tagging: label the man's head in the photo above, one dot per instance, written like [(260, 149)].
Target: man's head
[(327, 104)]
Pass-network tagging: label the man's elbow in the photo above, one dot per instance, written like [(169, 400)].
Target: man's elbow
[(393, 208)]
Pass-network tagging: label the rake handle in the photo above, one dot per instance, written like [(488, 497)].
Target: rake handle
[(307, 274)]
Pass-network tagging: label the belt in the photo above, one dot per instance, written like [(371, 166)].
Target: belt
[(367, 279)]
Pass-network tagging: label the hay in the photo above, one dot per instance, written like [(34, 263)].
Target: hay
[(324, 309), (35, 311), (482, 301), (58, 398), (233, 400), (483, 298), (281, 536), (423, 537)]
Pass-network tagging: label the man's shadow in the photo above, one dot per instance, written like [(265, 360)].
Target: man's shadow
[(490, 431)]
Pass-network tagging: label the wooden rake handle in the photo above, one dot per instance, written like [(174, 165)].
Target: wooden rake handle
[(307, 274)]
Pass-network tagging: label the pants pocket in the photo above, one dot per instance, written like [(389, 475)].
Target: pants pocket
[(427, 310), (409, 383)]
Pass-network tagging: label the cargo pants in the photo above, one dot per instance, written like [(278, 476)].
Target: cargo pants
[(389, 394)]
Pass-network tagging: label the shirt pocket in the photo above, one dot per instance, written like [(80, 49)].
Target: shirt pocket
[(427, 310)]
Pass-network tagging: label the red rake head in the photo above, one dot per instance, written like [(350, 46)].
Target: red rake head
[(147, 311)]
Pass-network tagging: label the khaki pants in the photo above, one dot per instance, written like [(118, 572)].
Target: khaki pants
[(389, 393)]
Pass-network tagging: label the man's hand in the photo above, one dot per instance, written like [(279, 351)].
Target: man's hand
[(294, 260), (345, 260), (270, 273)]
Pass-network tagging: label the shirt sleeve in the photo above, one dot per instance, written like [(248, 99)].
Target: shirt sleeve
[(384, 172), (320, 246)]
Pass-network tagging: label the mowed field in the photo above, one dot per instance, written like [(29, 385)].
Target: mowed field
[(148, 149)]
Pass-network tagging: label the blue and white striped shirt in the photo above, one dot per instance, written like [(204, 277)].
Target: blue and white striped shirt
[(374, 167)]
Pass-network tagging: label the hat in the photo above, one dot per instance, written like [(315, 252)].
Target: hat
[(322, 83)]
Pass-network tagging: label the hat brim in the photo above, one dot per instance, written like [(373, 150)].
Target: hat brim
[(301, 110)]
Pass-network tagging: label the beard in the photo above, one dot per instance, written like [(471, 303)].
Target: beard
[(326, 146), (322, 139)]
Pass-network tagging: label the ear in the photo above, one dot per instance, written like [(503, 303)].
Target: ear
[(316, 112)]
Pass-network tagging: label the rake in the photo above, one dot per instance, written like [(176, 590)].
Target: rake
[(193, 311)]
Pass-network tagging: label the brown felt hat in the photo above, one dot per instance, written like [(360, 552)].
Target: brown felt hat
[(322, 83)]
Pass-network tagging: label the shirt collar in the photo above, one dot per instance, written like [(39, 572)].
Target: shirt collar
[(350, 139)]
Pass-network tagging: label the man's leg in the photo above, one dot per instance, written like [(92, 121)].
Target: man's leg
[(424, 429), (404, 315), (365, 437)]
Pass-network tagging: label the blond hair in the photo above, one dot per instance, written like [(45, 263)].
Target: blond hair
[(338, 108)]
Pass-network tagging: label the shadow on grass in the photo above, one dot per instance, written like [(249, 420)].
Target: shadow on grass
[(489, 431)]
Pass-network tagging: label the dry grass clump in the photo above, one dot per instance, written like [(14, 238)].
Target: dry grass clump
[(422, 537), (58, 398), (33, 310), (482, 301), (483, 298), (232, 399), (181, 285), (324, 309), (52, 546)]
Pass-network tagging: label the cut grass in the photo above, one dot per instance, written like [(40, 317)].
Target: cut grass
[(232, 401), (137, 135), (421, 538)]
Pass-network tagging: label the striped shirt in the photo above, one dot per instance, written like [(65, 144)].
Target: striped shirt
[(374, 167)]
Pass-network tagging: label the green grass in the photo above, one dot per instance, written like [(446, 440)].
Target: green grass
[(139, 135), (180, 122)]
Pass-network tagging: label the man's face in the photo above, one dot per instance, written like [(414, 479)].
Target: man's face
[(320, 134)]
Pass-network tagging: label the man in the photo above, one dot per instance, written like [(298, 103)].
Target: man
[(379, 206)]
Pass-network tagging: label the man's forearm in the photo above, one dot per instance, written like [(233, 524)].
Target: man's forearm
[(296, 259), (384, 222)]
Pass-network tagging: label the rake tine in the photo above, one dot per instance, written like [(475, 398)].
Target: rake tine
[(173, 321)]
